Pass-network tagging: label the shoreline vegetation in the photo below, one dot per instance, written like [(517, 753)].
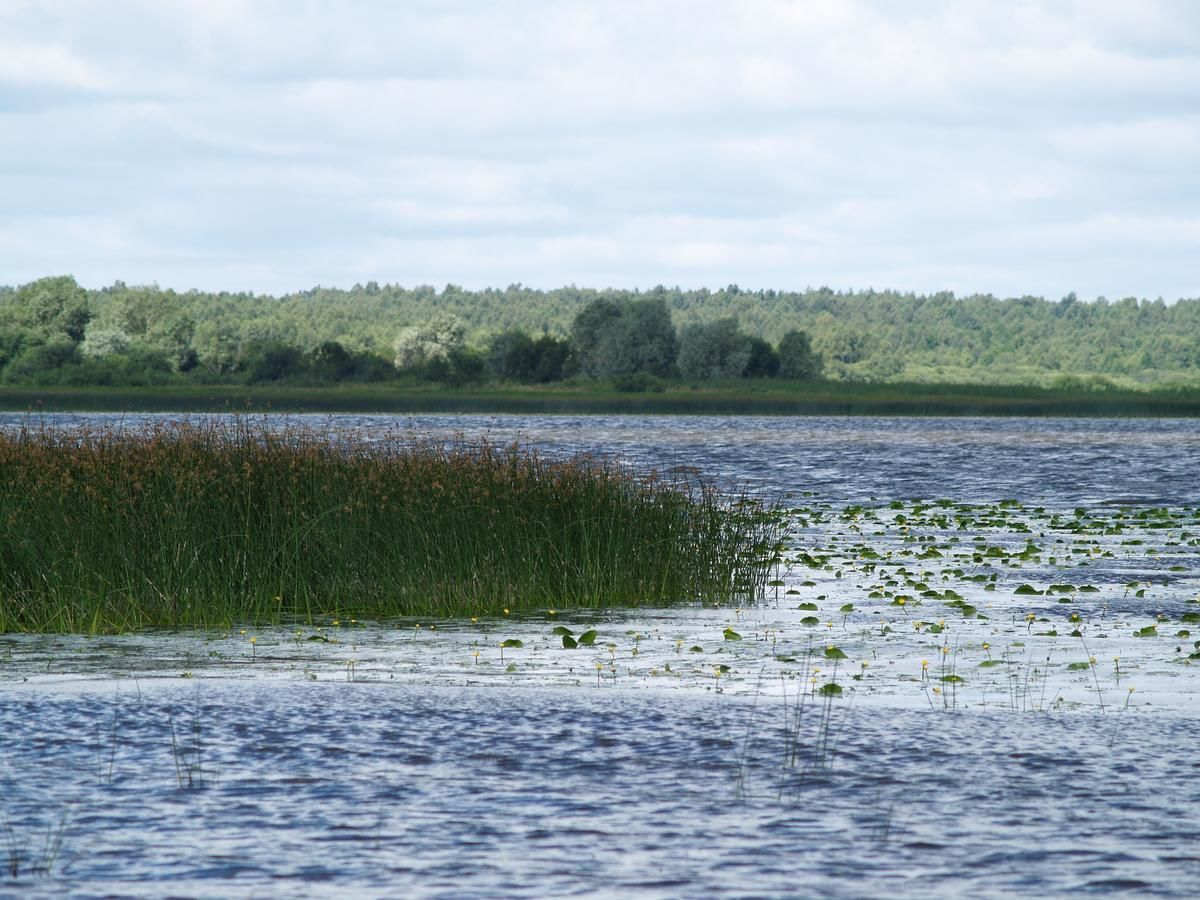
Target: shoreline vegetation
[(724, 398), (664, 350), (204, 526)]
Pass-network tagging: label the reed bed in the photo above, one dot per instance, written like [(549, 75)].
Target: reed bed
[(207, 525)]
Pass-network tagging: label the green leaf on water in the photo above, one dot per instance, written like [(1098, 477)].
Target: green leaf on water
[(695, 648), (832, 652), (830, 690), (731, 635), (513, 642), (1078, 666), (1028, 589), (807, 606), (588, 638), (569, 643), (953, 679), (849, 608), (810, 620), (1148, 631), (988, 663), (563, 630)]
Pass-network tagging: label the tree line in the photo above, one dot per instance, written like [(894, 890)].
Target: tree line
[(53, 329), (54, 332)]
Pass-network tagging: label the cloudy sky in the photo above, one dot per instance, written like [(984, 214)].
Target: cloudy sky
[(273, 145)]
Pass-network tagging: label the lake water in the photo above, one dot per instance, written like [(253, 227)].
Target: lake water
[(993, 751)]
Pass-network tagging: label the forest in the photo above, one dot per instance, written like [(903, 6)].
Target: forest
[(55, 332)]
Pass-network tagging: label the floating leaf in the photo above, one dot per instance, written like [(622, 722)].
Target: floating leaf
[(1148, 631), (563, 630), (989, 663), (831, 689), (695, 648), (731, 635), (807, 606), (1028, 589), (832, 652), (1078, 666), (953, 679), (588, 638), (513, 642), (810, 620), (569, 643)]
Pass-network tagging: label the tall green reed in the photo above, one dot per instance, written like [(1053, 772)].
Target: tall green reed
[(204, 525)]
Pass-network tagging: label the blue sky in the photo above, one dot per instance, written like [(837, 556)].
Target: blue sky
[(1012, 148)]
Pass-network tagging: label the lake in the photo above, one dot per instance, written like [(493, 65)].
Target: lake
[(975, 674)]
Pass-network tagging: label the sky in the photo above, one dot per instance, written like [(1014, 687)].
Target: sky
[(979, 147)]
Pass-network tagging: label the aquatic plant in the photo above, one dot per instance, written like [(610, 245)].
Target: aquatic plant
[(21, 859), (188, 757), (204, 525)]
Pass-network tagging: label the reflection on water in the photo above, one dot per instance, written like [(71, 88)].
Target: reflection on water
[(421, 787)]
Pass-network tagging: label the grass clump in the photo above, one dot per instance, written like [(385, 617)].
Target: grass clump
[(204, 525)]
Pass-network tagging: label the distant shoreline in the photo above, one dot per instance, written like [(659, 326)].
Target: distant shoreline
[(813, 398)]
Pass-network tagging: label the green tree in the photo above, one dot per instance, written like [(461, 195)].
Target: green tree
[(796, 356), (714, 350), (419, 345), (612, 338), (53, 307), (764, 359)]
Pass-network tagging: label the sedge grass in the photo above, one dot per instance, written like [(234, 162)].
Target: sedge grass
[(206, 525)]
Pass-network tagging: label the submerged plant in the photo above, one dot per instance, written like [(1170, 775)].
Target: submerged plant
[(21, 859)]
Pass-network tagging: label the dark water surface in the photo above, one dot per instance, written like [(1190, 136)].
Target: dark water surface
[(1053, 462), (371, 790), (227, 786)]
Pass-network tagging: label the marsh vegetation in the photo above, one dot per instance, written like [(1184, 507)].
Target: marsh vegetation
[(203, 525)]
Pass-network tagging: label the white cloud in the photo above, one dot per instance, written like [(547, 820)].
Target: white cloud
[(32, 65), (1016, 148)]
